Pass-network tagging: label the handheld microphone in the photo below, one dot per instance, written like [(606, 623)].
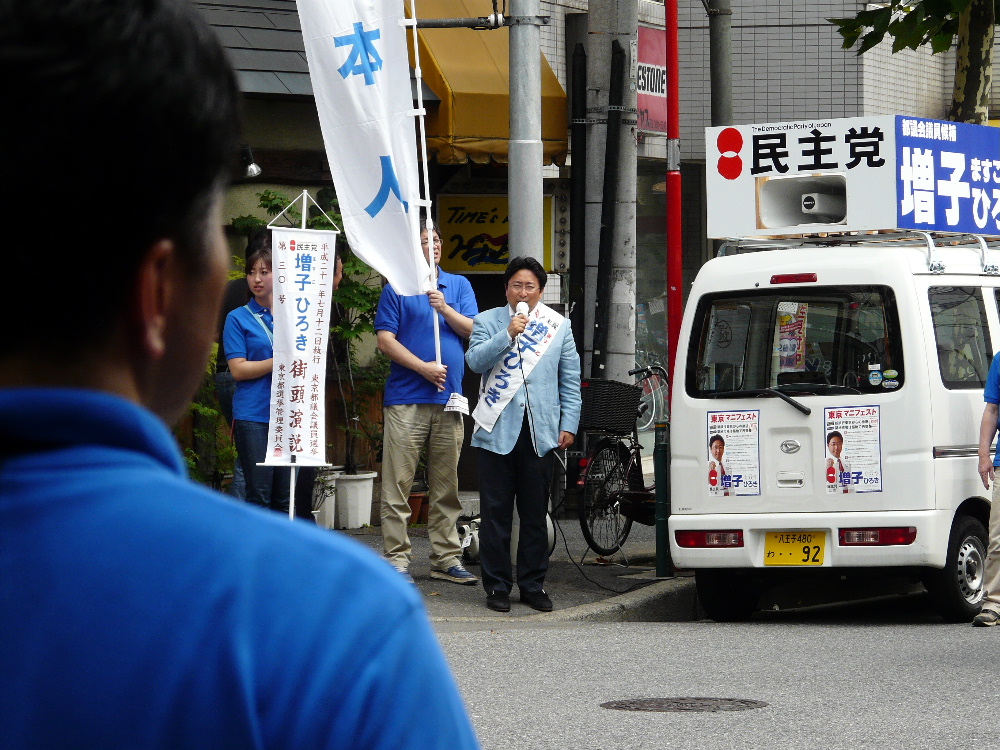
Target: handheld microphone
[(521, 309)]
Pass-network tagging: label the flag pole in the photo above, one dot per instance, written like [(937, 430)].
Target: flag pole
[(425, 200), (291, 483)]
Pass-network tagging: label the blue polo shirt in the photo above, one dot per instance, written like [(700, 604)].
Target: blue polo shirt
[(244, 336), (991, 392), (140, 610), (411, 319)]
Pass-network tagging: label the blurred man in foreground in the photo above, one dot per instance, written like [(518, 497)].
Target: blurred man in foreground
[(138, 609)]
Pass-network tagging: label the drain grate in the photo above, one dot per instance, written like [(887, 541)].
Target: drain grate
[(684, 704)]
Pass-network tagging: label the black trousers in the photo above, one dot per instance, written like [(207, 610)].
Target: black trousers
[(520, 478)]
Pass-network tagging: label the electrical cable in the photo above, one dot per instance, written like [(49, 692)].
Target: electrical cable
[(552, 513), (578, 565)]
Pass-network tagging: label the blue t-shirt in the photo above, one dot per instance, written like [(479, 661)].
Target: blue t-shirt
[(991, 392), (140, 610), (411, 319), (245, 336)]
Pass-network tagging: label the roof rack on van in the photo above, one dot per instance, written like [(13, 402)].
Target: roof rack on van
[(886, 237)]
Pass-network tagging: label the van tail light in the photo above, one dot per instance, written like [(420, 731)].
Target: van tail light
[(694, 539), (793, 278), (878, 537)]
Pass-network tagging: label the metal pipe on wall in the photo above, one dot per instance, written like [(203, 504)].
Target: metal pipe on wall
[(578, 197), (675, 268), (609, 204)]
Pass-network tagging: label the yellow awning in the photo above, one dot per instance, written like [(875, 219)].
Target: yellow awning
[(469, 71)]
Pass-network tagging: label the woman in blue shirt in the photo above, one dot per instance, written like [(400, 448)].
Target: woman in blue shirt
[(248, 337)]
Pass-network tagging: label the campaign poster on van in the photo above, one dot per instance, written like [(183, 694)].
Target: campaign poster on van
[(733, 443), (792, 339), (853, 458)]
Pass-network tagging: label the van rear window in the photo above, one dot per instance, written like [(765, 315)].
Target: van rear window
[(803, 341)]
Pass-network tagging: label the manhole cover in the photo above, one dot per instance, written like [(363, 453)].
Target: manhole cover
[(684, 704)]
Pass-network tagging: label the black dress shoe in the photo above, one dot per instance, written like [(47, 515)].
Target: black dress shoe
[(499, 601), (537, 600)]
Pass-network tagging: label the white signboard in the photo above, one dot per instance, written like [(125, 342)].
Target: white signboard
[(360, 74), (733, 453), (303, 264), (852, 174)]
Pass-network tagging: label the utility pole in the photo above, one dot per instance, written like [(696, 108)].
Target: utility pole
[(613, 259), (720, 16), (720, 20), (525, 158)]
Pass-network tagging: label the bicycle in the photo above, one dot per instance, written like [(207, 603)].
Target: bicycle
[(654, 391), (614, 492)]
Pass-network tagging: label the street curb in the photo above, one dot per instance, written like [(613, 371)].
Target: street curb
[(667, 600)]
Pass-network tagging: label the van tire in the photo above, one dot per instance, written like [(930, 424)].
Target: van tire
[(727, 595), (956, 591)]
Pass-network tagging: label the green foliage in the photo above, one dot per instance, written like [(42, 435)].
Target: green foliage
[(209, 452), (368, 388), (247, 226), (273, 202), (358, 296), (910, 24)]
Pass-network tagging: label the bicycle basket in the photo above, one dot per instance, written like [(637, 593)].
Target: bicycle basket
[(609, 405)]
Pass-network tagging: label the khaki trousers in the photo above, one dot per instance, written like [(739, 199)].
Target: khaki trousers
[(408, 427), (991, 576)]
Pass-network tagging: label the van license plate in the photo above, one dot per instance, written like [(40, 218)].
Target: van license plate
[(794, 547)]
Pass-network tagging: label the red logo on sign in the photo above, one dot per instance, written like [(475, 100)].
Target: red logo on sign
[(730, 143), (713, 478), (831, 475)]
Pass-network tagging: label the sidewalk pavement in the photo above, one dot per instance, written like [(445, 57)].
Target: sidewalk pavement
[(583, 586)]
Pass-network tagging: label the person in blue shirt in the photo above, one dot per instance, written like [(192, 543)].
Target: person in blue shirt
[(248, 339), (416, 413), (138, 609), (989, 615)]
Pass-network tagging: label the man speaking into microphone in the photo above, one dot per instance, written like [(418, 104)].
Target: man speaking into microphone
[(529, 406)]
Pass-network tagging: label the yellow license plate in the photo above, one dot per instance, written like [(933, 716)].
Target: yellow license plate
[(794, 547)]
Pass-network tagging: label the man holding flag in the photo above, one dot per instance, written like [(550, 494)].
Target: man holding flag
[(424, 405)]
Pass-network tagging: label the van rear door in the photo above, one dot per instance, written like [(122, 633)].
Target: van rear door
[(758, 360)]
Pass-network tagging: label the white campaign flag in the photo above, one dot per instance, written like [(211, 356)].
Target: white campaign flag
[(360, 76), (303, 262)]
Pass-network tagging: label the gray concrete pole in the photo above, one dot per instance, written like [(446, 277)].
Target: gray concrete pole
[(609, 20), (525, 154), (720, 24), (720, 19)]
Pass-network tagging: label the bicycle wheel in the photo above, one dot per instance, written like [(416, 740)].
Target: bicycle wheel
[(652, 397), (601, 520)]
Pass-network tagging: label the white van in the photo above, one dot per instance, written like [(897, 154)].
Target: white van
[(837, 384)]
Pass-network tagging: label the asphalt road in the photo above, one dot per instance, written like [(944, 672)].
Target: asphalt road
[(884, 673)]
